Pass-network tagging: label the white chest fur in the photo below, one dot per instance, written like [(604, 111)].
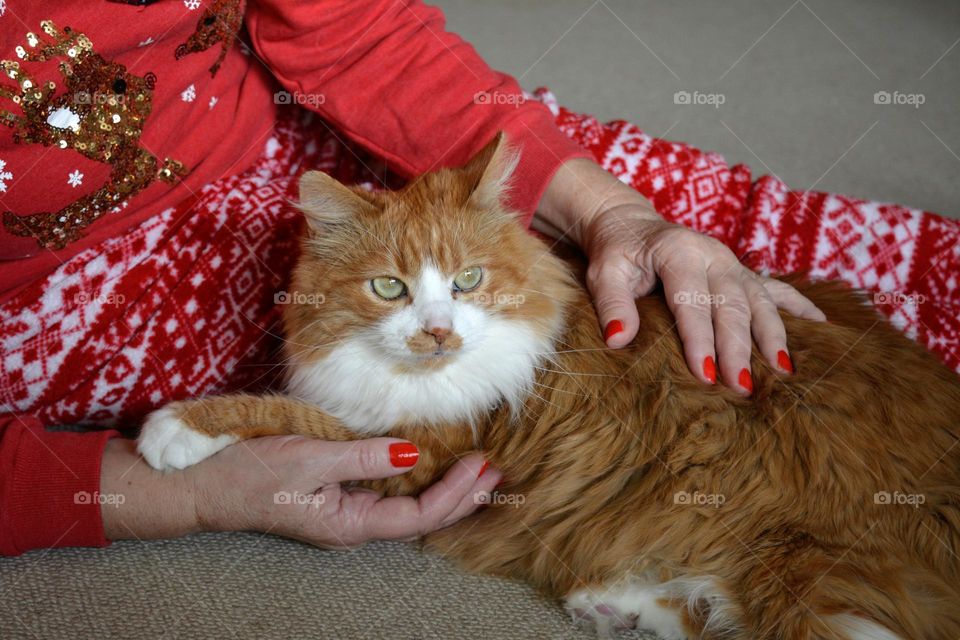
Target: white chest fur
[(357, 384)]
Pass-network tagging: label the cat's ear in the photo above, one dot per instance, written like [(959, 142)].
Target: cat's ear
[(489, 172), (326, 201)]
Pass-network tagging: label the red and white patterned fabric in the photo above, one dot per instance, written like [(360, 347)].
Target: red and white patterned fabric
[(185, 304)]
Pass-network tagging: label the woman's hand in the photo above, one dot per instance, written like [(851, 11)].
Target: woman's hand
[(286, 485), (718, 303)]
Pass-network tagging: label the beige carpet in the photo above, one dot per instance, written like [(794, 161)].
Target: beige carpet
[(253, 586)]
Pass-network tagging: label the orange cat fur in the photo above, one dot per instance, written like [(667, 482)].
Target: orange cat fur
[(825, 505)]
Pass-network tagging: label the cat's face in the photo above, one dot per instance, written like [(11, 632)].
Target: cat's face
[(430, 305)]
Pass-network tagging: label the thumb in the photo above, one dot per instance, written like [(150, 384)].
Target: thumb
[(369, 459), (613, 285)]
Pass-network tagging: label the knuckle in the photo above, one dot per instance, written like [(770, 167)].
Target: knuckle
[(368, 459), (735, 309), (606, 268), (694, 313)]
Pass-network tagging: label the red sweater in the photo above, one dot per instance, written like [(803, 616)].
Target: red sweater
[(200, 104)]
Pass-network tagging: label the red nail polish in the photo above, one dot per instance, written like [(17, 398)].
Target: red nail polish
[(745, 380), (784, 361), (613, 328), (404, 454), (483, 469), (710, 369)]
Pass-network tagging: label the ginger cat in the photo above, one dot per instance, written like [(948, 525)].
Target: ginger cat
[(825, 505)]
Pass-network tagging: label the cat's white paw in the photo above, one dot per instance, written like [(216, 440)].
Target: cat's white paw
[(167, 443), (616, 609)]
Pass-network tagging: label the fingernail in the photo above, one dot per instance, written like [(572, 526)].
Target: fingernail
[(745, 380), (710, 369), (613, 328), (784, 361), (483, 469), (403, 454)]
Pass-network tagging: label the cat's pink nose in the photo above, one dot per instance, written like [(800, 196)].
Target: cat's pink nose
[(439, 333)]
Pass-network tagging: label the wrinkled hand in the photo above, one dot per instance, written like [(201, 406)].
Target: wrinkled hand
[(717, 302), (299, 488)]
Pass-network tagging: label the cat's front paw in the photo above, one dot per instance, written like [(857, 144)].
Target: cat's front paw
[(166, 442)]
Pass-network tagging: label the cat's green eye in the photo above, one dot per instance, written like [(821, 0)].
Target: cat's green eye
[(388, 288), (468, 279)]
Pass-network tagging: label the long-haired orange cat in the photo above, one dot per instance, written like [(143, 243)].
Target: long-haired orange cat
[(825, 505)]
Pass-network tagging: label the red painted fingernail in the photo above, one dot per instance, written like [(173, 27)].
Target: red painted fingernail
[(745, 380), (784, 361), (710, 369), (404, 454), (483, 469), (613, 328)]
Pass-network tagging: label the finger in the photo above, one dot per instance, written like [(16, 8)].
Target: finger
[(792, 301), (402, 517), (767, 326), (612, 283), (732, 324), (478, 496), (361, 459), (687, 292)]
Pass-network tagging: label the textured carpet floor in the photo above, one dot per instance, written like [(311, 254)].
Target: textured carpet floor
[(253, 586)]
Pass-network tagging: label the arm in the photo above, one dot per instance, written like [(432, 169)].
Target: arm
[(387, 74), (286, 485), (49, 486), (721, 306)]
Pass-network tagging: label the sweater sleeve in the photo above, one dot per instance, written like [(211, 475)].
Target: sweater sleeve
[(49, 486), (388, 75)]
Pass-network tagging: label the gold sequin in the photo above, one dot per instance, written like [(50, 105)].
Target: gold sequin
[(100, 115), (219, 22)]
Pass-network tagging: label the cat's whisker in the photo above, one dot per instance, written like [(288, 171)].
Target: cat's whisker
[(559, 390), (537, 395), (556, 352), (576, 373)]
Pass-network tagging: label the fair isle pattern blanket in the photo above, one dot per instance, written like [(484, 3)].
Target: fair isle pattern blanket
[(188, 302)]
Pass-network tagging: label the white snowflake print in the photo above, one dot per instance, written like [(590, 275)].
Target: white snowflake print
[(146, 42), (213, 102), (191, 4), (3, 7), (4, 175), (75, 179), (189, 94)]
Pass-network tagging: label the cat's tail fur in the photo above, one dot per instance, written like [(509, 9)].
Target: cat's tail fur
[(809, 594)]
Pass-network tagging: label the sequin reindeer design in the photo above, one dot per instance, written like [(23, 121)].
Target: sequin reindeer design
[(219, 23), (101, 115)]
